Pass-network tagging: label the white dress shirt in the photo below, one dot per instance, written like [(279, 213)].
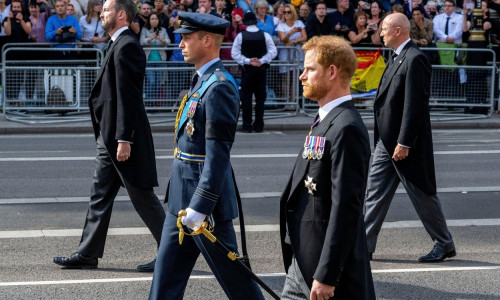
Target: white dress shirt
[(323, 111), (241, 59), (454, 27)]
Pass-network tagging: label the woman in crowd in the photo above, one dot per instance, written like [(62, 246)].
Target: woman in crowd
[(236, 27), (265, 21), (361, 34), (154, 36), (292, 33), (90, 25), (278, 9), (246, 5), (34, 78), (375, 14)]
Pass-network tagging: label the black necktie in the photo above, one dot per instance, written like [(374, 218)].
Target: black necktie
[(194, 81), (108, 47), (391, 60), (446, 27)]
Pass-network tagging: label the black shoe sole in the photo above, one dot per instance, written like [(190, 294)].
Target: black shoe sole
[(145, 270)]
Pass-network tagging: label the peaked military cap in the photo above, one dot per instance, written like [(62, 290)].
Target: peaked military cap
[(194, 22)]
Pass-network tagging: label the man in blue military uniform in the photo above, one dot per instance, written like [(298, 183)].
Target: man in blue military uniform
[(201, 181)]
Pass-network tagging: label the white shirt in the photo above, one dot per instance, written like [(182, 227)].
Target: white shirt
[(118, 32), (400, 48), (454, 27), (323, 111), (243, 60)]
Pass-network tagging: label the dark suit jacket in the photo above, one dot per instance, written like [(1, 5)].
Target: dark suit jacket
[(326, 229), (402, 115), (118, 113), (208, 188)]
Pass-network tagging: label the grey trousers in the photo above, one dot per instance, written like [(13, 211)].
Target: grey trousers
[(383, 180), (106, 184), (295, 286)]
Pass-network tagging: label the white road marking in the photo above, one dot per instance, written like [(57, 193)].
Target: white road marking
[(204, 277), (263, 155), (46, 200), (47, 233)]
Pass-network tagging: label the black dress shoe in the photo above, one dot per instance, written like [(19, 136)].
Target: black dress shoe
[(149, 267), (437, 254), (243, 129), (76, 261)]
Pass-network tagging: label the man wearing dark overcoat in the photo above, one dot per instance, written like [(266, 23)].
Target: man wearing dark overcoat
[(403, 142), (201, 182), (321, 210), (125, 150)]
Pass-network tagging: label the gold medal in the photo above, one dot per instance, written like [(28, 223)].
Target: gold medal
[(190, 128)]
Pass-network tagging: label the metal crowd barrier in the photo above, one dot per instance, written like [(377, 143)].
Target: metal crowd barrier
[(457, 91), (40, 89), (40, 85), (31, 86)]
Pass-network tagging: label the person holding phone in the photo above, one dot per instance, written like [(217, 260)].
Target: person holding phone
[(154, 36), (362, 34)]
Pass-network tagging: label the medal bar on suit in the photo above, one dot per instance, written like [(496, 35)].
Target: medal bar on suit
[(314, 147)]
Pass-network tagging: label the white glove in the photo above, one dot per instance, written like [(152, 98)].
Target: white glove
[(193, 219)]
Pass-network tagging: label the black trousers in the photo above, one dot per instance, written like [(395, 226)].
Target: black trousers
[(253, 81), (107, 182)]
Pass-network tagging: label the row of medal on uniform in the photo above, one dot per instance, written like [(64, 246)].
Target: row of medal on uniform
[(314, 147)]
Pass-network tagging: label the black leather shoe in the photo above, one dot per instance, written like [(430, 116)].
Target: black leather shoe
[(370, 255), (437, 254), (76, 261), (149, 267), (243, 129)]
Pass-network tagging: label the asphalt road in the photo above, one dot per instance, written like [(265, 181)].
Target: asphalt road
[(45, 183)]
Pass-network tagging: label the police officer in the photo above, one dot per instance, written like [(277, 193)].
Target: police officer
[(253, 49), (201, 181)]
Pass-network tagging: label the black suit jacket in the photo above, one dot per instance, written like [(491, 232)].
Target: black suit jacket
[(402, 115), (326, 229), (118, 112)]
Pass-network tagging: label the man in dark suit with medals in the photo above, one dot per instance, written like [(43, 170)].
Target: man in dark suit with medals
[(321, 210), (125, 150), (403, 142), (201, 181)]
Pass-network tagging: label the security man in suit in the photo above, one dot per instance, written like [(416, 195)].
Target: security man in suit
[(201, 181), (253, 49), (403, 142), (321, 210), (125, 150)]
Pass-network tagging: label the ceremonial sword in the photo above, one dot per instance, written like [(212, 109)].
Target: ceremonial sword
[(233, 256)]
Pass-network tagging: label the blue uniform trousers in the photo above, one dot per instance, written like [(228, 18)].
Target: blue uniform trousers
[(175, 263)]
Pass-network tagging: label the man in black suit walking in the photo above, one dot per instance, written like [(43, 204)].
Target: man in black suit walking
[(321, 210), (403, 139), (125, 150)]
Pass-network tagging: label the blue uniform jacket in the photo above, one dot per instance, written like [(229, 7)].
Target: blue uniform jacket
[(207, 187)]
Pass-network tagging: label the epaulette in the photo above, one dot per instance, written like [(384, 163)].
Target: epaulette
[(225, 76)]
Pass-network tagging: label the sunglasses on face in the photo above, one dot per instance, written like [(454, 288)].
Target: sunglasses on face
[(287, 11)]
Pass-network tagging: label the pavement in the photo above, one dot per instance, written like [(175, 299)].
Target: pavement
[(283, 121)]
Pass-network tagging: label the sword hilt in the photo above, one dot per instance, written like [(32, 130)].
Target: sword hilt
[(202, 230)]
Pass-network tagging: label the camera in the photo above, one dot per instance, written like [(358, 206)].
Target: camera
[(372, 26), (66, 28), (96, 34), (14, 13)]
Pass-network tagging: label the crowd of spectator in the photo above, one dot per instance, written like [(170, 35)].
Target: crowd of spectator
[(290, 23)]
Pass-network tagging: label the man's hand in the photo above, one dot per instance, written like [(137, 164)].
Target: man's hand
[(400, 153), (254, 61), (193, 219), (59, 31), (450, 40), (321, 291), (123, 151), (72, 29)]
